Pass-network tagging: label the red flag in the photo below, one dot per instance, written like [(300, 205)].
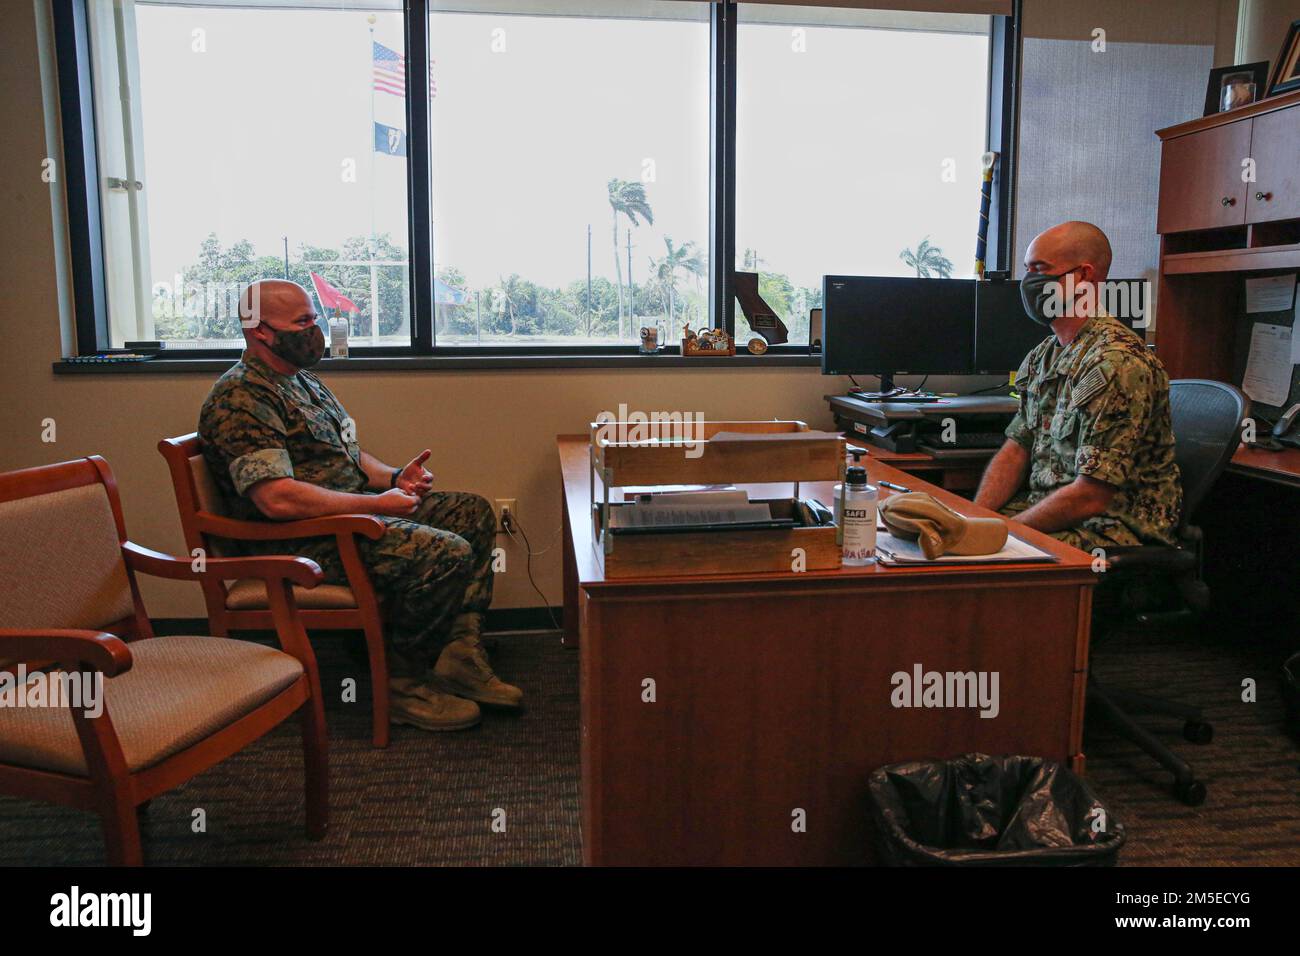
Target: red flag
[(330, 297)]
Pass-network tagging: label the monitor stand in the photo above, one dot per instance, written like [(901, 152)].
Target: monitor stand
[(890, 393)]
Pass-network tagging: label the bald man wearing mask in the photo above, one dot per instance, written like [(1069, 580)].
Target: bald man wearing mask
[(281, 447), (1089, 456)]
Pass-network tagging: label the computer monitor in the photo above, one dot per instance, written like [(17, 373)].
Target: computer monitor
[(1004, 335), (880, 325)]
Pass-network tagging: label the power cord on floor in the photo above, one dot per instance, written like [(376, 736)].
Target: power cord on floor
[(509, 522)]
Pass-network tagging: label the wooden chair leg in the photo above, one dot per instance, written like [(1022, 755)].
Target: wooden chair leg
[(316, 767), (117, 818), (378, 683)]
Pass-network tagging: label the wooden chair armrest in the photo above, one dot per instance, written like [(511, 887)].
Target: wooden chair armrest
[(300, 571), (70, 648), (368, 526)]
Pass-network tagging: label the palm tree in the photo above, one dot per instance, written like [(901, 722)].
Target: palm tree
[(629, 199), (512, 291), (927, 258), (686, 256)]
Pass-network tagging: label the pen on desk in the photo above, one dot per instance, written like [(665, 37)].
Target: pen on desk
[(893, 487)]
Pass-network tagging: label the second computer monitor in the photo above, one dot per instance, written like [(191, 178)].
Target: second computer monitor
[(883, 324), (1004, 334)]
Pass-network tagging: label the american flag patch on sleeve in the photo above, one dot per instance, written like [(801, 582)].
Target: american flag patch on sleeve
[(1088, 388)]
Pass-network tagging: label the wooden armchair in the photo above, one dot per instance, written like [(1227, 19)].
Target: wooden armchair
[(243, 604), (170, 707)]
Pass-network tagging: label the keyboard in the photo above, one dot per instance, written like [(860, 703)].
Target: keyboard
[(963, 441)]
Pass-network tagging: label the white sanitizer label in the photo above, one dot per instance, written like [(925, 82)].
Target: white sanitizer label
[(859, 533)]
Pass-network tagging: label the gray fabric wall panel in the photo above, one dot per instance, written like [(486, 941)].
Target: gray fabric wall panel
[(1088, 148)]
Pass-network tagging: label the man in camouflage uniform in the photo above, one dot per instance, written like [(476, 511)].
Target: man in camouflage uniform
[(281, 447), (1093, 435)]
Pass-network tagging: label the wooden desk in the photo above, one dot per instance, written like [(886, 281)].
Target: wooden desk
[(1251, 521), (772, 692), (1281, 467)]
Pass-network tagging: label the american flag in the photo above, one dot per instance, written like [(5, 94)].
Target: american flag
[(390, 72)]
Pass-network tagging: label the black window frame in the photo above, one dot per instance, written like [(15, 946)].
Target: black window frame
[(81, 176)]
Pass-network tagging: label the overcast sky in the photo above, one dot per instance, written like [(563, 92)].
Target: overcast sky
[(841, 145)]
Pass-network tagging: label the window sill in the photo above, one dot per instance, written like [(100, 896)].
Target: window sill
[(468, 363)]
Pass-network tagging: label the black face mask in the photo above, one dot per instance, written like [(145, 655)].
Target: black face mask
[(1035, 293), (303, 348)]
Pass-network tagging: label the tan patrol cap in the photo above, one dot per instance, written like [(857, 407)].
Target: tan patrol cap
[(917, 516)]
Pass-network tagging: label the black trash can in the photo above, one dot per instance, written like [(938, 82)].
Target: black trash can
[(977, 810)]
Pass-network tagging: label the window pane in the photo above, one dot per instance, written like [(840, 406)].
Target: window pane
[(570, 170), (858, 144), (260, 136)]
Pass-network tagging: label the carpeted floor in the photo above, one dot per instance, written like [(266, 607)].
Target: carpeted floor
[(427, 799), (1251, 768), (432, 798)]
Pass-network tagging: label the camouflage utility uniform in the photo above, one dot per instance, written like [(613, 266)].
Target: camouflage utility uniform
[(1100, 407), (258, 424)]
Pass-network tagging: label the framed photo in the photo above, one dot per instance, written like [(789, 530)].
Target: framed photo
[(1233, 86), (1286, 75)]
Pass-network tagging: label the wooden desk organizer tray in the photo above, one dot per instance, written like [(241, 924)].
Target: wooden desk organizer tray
[(651, 454)]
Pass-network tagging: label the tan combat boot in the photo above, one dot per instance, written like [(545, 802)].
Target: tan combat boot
[(417, 704), (463, 668)]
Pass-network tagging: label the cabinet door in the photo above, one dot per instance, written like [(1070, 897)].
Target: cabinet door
[(1200, 179), (1275, 147)]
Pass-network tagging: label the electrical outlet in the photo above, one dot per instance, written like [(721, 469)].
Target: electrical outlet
[(504, 505)]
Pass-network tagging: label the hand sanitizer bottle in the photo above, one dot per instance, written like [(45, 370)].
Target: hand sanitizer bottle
[(855, 513), (338, 336)]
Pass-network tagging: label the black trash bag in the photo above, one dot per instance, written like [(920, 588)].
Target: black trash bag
[(977, 810)]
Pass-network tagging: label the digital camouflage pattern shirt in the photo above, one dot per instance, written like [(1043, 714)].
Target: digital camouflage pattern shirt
[(428, 568), (1100, 407), (258, 424)]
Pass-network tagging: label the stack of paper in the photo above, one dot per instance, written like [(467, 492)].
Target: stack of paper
[(893, 550), (689, 509)]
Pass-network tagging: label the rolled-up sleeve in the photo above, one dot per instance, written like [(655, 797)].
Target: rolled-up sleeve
[(247, 470), (251, 436), (1112, 424)]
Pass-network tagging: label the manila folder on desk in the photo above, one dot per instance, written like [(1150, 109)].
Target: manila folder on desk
[(901, 551)]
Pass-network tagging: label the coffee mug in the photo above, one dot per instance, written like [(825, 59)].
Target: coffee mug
[(650, 338)]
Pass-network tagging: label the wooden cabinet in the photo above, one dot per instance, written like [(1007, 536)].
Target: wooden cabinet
[(1202, 166), (1275, 147), (1218, 230), (1200, 179)]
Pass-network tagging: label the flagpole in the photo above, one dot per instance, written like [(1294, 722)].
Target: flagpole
[(374, 272), (630, 313)]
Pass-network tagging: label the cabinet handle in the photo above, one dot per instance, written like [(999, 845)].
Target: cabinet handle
[(1228, 201), (1263, 197)]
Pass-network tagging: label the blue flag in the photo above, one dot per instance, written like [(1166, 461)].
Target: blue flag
[(389, 140)]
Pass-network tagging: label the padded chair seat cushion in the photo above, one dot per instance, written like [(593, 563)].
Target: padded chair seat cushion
[(178, 691), (250, 595)]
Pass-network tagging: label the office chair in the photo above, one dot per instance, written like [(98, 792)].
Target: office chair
[(1207, 417)]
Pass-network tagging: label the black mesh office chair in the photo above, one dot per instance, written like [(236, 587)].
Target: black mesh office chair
[(1207, 418)]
